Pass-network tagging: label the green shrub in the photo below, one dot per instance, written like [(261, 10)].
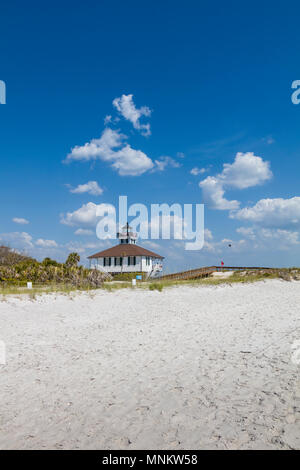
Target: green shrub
[(50, 272), (156, 286), (72, 260), (50, 262)]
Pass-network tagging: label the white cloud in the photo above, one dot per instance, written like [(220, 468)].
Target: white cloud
[(20, 220), (268, 238), (131, 162), (283, 236), (107, 119), (101, 148), (23, 243), (247, 232), (279, 212), (73, 246), (85, 215), (46, 243), (110, 148), (82, 231), (17, 240), (208, 234), (213, 194), (246, 171), (197, 171), (85, 249), (164, 162), (128, 110), (91, 187)]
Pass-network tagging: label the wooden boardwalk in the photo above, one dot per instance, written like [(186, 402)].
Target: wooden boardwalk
[(191, 274), (207, 271)]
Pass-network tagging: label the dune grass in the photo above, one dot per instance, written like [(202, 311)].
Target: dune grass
[(153, 285), (237, 277), (41, 289)]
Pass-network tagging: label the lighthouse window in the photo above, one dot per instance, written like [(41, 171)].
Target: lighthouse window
[(131, 261)]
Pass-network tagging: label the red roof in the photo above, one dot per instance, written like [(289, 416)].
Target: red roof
[(125, 249)]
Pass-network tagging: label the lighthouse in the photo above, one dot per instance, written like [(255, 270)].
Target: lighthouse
[(127, 257)]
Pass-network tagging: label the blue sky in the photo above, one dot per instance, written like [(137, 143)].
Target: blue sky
[(210, 86)]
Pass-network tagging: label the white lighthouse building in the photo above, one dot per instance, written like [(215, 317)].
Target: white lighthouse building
[(127, 257)]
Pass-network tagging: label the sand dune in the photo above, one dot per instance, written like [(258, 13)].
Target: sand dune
[(186, 368)]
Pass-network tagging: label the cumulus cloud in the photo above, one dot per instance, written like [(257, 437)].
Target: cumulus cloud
[(213, 194), (131, 162), (91, 187), (197, 171), (102, 148), (270, 237), (20, 220), (85, 249), (129, 111), (164, 162), (110, 148), (18, 240), (46, 243), (85, 215), (83, 231), (246, 171), (286, 236), (278, 212), (247, 232), (23, 242)]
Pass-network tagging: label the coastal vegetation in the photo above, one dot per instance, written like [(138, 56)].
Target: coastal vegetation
[(17, 269)]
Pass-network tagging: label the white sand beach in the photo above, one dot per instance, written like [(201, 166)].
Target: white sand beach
[(186, 368)]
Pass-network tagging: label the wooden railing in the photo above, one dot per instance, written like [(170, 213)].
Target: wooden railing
[(191, 274), (208, 270)]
